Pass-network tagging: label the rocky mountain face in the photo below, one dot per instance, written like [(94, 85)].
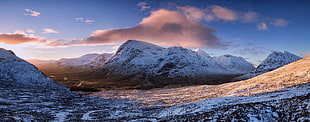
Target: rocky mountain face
[(17, 72), (276, 60)]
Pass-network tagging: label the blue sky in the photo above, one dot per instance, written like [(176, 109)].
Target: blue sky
[(71, 28)]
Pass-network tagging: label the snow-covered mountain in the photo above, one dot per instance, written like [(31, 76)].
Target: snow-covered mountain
[(146, 60), (235, 64), (99, 60), (70, 65), (276, 60), (272, 62), (80, 61), (17, 72)]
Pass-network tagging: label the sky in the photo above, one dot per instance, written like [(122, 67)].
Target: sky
[(252, 29)]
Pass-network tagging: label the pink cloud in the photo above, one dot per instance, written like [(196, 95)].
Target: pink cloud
[(49, 30), (163, 27), (18, 38), (224, 13), (196, 13)]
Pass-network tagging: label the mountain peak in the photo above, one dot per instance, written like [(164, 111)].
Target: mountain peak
[(8, 52), (275, 60), (202, 53), (136, 43)]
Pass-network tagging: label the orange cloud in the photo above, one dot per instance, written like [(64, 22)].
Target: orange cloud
[(163, 27), (305, 54), (17, 38)]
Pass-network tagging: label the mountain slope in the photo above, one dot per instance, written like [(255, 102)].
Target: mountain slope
[(276, 60), (235, 64), (144, 60), (17, 72)]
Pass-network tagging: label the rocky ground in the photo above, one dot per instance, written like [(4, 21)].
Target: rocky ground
[(26, 104)]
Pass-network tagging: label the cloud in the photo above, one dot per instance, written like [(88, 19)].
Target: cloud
[(216, 13), (210, 14), (20, 32), (305, 54), (279, 22), (32, 13), (49, 30), (196, 13), (224, 13), (262, 26), (163, 27), (89, 21), (143, 6), (249, 17), (30, 31), (18, 38), (81, 19)]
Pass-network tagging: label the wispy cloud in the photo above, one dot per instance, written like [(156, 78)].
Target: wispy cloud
[(262, 26), (81, 19), (249, 17), (89, 21), (224, 13), (164, 27), (32, 13), (49, 30), (211, 13), (143, 6), (279, 22)]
